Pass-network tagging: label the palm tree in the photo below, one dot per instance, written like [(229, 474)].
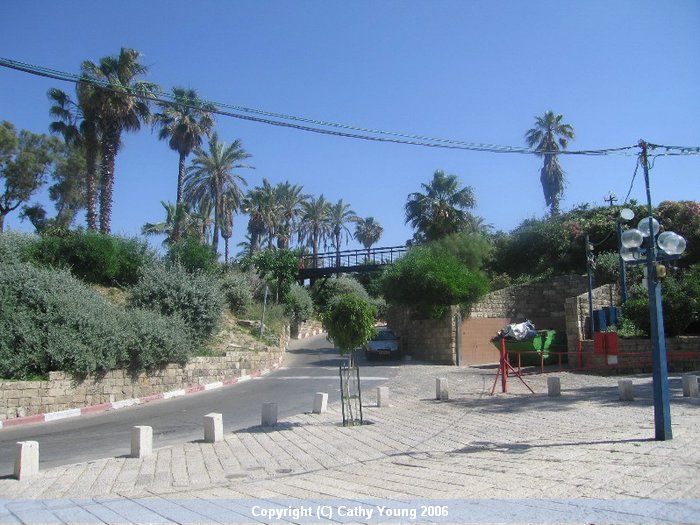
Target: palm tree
[(314, 224), (230, 204), (183, 123), (289, 199), (442, 209), (368, 231), (547, 137), (338, 216), (263, 214), (189, 223), (211, 177), (119, 102), (77, 124)]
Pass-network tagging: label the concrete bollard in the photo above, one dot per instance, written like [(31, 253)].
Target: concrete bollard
[(213, 427), (26, 459), (141, 441), (269, 414), (320, 402), (442, 392), (625, 389), (553, 387), (690, 385), (383, 396)]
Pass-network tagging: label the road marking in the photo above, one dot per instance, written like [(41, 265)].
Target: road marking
[(366, 378)]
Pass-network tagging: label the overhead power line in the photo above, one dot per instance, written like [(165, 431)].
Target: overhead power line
[(330, 128)]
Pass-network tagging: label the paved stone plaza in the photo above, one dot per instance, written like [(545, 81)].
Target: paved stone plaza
[(584, 457)]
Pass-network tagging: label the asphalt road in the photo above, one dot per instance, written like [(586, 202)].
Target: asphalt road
[(309, 366)]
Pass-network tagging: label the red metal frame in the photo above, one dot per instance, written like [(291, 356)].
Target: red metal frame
[(503, 367)]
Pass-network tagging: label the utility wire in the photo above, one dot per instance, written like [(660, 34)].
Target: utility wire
[(317, 126)]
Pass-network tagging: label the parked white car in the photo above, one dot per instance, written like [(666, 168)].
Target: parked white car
[(385, 343)]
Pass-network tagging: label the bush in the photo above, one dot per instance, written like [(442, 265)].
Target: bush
[(237, 292), (350, 323), (298, 305), (193, 255), (16, 247), (325, 291), (95, 258), (431, 282), (172, 290), (153, 340), (681, 303), (49, 320)]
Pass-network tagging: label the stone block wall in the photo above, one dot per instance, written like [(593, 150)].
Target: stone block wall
[(61, 392), (544, 301), (306, 328), (433, 340), (634, 355)]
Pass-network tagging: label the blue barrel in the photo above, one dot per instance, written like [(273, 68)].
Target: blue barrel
[(612, 315), (600, 323)]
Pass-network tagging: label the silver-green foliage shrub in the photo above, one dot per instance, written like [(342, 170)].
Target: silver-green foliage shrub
[(298, 305), (51, 321), (237, 292), (15, 247), (172, 290)]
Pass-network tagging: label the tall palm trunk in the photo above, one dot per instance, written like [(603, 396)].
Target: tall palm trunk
[(91, 182), (109, 153), (337, 248), (180, 198), (316, 241)]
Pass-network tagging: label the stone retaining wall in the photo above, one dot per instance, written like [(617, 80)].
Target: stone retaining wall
[(306, 329), (634, 355), (433, 340), (61, 392)]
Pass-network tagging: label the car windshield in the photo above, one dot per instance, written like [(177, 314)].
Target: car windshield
[(384, 335)]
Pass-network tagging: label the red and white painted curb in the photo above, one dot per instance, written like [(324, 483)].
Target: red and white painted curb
[(116, 405)]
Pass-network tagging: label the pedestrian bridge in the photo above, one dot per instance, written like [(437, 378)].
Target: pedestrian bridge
[(348, 261)]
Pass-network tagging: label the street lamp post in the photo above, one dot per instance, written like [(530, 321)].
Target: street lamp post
[(671, 246)]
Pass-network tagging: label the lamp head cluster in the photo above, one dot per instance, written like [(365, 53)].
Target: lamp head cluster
[(670, 243)]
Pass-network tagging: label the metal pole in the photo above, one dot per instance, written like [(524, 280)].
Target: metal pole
[(590, 286), (623, 270), (262, 320), (662, 407)]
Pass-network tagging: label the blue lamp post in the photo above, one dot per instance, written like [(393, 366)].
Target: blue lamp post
[(671, 245)]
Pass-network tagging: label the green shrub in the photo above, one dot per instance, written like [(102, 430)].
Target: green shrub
[(172, 290), (681, 304), (94, 257), (237, 292), (153, 340), (350, 323), (298, 305), (16, 247), (324, 291), (193, 255), (50, 320), (431, 282)]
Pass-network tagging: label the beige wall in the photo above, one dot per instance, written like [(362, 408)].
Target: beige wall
[(61, 392)]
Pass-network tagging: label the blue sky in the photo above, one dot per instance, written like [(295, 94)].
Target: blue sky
[(477, 71)]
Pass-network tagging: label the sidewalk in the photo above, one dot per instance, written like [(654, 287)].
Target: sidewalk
[(584, 457)]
